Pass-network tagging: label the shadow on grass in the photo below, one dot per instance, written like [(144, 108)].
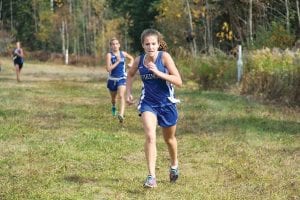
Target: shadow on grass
[(11, 113), (5, 79), (202, 116), (240, 125), (262, 125), (80, 179)]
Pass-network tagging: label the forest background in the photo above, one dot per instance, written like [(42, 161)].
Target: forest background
[(201, 34)]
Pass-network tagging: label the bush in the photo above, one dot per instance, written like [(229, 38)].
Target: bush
[(273, 75), (274, 35), (210, 72), (5, 43)]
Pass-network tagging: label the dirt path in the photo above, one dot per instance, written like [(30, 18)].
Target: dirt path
[(52, 72)]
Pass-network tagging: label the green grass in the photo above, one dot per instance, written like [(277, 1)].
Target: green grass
[(58, 140)]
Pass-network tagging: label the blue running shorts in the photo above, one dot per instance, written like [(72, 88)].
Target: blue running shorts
[(166, 115), (113, 85)]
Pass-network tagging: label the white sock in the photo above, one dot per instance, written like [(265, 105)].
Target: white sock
[(174, 167)]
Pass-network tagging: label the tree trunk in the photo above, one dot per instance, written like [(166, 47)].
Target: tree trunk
[(103, 36), (51, 5), (1, 10), (250, 21), (287, 15), (70, 7), (34, 6), (84, 35), (11, 16), (298, 12), (67, 43), (63, 41), (194, 47), (208, 30), (94, 39)]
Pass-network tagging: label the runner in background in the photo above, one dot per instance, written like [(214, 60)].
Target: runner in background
[(116, 83)]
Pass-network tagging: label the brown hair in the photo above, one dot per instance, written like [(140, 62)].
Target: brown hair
[(112, 39), (162, 44)]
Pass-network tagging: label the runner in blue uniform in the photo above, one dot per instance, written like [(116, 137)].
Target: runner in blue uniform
[(116, 83), (157, 103), (18, 59)]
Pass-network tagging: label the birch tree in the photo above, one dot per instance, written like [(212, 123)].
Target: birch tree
[(287, 15), (193, 42), (250, 21), (298, 12), (11, 15)]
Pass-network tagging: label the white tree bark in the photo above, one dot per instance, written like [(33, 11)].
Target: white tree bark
[(1, 9), (250, 21), (298, 11), (287, 15), (84, 36), (208, 29), (63, 40), (51, 5), (11, 16), (34, 6), (194, 47), (67, 44)]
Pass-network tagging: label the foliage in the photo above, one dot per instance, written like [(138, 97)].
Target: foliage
[(273, 75), (84, 27), (170, 12), (210, 71), (141, 15), (5, 42), (274, 36)]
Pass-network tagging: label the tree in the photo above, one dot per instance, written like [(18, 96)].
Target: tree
[(141, 15), (193, 40)]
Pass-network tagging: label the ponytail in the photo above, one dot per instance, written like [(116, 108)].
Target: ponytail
[(162, 45)]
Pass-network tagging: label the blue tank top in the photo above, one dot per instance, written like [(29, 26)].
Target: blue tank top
[(156, 92), (119, 71)]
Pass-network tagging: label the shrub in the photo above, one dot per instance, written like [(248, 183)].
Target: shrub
[(274, 35), (210, 72), (273, 75)]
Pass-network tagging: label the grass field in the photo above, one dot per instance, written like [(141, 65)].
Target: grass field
[(58, 140)]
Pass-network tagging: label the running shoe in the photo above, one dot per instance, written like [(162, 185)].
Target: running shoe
[(150, 182), (121, 118), (174, 174), (114, 111)]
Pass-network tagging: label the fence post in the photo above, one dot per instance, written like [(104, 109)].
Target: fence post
[(239, 64), (67, 57)]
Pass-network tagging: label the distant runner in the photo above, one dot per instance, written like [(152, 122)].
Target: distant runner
[(18, 59)]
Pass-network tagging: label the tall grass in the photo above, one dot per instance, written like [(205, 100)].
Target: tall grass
[(210, 72), (58, 140), (273, 75)]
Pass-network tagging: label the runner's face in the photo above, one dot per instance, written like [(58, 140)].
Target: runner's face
[(115, 45), (150, 45)]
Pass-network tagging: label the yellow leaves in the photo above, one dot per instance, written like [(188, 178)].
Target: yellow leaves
[(225, 27), (59, 3), (203, 11), (178, 15), (196, 13), (229, 36), (225, 33)]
